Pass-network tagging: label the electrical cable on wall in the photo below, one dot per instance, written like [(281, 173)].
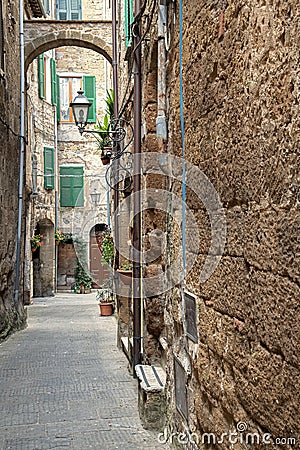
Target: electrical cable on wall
[(182, 125)]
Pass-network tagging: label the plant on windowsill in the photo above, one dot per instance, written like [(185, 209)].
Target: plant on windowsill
[(105, 298), (36, 242), (83, 281)]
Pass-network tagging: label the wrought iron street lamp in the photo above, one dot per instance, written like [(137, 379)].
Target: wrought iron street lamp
[(80, 107), (118, 174), (95, 197)]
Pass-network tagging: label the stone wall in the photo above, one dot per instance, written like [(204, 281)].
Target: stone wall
[(241, 103), (11, 317)]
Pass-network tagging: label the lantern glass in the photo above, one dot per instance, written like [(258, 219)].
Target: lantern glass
[(80, 107), (95, 197)]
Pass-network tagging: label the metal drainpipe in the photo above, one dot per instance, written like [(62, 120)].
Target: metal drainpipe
[(116, 113), (22, 152), (56, 192), (161, 122), (137, 247)]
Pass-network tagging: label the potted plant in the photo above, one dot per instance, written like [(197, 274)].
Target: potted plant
[(104, 138), (83, 281), (125, 272), (36, 242), (104, 296)]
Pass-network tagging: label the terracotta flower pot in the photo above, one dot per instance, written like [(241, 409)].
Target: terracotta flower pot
[(106, 309), (105, 160), (125, 276)]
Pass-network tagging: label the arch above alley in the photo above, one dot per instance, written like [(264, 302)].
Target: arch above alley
[(42, 35)]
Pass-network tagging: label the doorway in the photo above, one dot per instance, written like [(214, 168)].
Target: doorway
[(43, 260), (98, 270)]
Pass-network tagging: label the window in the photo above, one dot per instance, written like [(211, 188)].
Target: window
[(48, 168), (47, 9), (68, 87), (128, 20), (68, 10), (71, 186)]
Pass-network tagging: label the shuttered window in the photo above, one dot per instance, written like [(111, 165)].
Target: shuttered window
[(57, 99), (71, 186), (68, 10), (48, 168), (53, 82), (128, 20), (41, 76), (89, 88), (68, 87)]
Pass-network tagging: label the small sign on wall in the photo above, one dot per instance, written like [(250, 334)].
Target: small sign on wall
[(190, 316), (180, 388)]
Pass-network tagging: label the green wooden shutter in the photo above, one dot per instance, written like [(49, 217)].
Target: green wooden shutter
[(57, 99), (41, 75), (53, 82), (78, 191), (89, 88), (48, 168), (128, 20), (71, 186)]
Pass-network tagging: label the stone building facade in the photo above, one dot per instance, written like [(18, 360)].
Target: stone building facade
[(228, 341), (12, 298), (55, 140)]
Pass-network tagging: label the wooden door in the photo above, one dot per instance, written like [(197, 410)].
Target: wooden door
[(99, 271)]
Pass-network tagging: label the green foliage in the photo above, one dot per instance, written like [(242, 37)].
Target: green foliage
[(126, 265), (108, 249), (36, 241), (104, 296), (81, 277), (110, 98), (103, 138)]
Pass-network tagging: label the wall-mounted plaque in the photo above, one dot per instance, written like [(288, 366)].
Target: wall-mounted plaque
[(180, 388), (190, 312)]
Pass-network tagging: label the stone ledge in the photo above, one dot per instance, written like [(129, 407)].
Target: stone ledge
[(151, 378)]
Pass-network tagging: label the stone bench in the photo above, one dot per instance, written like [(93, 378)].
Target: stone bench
[(152, 404)]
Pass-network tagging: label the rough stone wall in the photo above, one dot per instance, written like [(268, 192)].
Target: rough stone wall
[(241, 102), (11, 318)]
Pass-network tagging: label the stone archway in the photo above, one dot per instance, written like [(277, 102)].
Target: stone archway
[(43, 35)]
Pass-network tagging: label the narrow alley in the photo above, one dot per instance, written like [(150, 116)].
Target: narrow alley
[(65, 384)]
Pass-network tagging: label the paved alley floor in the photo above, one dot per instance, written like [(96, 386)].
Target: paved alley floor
[(64, 383)]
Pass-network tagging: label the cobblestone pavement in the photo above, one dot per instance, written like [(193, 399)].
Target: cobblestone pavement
[(64, 383)]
